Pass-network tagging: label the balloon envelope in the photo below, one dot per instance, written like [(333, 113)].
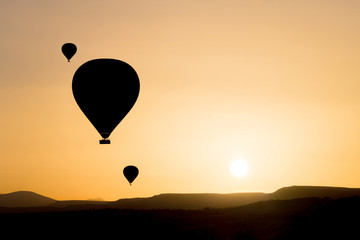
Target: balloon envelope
[(105, 90), (130, 172), (69, 50)]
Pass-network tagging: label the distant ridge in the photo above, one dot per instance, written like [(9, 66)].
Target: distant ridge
[(294, 192), (302, 218), (213, 200), (24, 199), (191, 201)]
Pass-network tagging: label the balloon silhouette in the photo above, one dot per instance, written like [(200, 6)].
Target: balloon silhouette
[(130, 172), (105, 90), (69, 50)]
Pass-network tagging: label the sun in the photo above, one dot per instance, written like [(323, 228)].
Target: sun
[(239, 168)]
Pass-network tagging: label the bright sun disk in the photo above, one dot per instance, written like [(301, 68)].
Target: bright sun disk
[(239, 168)]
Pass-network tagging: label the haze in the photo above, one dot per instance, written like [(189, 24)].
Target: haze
[(272, 82)]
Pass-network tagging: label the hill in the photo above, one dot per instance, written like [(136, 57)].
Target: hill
[(211, 200), (188, 201), (294, 192), (78, 203), (179, 201), (24, 199), (302, 218)]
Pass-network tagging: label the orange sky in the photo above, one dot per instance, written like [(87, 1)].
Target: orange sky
[(273, 82)]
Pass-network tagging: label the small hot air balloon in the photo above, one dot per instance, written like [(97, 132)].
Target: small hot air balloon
[(69, 50), (105, 90), (130, 172)]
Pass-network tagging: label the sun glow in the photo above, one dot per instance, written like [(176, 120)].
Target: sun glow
[(239, 168)]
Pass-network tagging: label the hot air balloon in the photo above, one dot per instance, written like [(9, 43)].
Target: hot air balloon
[(69, 50), (105, 90), (130, 172)]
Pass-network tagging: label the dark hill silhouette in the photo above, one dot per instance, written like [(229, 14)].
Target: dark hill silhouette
[(77, 203), (314, 191), (24, 199), (302, 218), (199, 201), (189, 201), (179, 201)]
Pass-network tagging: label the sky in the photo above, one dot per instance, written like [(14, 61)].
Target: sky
[(274, 83)]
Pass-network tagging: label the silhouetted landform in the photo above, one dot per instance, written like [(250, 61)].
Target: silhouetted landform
[(314, 191), (189, 201), (184, 201), (24, 199), (302, 218), (78, 203)]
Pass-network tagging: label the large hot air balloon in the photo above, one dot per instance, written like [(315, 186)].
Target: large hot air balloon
[(69, 50), (130, 172), (105, 90)]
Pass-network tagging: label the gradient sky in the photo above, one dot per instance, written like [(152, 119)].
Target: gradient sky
[(273, 82)]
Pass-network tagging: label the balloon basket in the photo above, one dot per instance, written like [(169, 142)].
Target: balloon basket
[(105, 141)]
